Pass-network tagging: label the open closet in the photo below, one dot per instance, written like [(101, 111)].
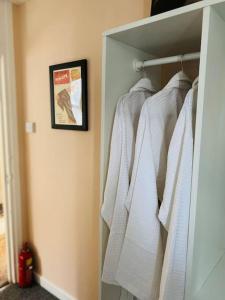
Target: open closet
[(193, 39)]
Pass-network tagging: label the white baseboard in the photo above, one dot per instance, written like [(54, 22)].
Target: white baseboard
[(52, 288)]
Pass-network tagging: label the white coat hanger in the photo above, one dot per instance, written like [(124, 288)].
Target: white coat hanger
[(181, 62), (195, 83)]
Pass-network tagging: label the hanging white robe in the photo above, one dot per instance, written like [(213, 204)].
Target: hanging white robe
[(174, 211), (140, 265), (120, 167)]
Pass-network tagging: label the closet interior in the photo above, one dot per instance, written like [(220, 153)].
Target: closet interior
[(198, 28)]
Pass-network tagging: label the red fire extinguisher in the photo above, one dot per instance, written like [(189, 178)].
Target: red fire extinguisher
[(25, 267)]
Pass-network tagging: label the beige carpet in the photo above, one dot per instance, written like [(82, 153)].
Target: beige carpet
[(3, 266)]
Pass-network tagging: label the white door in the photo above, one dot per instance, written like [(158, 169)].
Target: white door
[(9, 149)]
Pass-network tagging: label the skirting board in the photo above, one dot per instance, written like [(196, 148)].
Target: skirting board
[(52, 288)]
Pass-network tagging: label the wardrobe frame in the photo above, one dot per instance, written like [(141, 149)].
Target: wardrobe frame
[(197, 27)]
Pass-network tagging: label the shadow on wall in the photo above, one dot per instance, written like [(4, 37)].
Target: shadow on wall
[(37, 259)]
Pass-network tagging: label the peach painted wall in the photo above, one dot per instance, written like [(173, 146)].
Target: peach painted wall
[(60, 169)]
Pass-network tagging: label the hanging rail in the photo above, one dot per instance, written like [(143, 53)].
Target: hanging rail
[(140, 65)]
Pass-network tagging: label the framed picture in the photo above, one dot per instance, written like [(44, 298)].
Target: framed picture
[(68, 91)]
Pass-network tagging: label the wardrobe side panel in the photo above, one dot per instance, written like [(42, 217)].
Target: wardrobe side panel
[(118, 78), (207, 249)]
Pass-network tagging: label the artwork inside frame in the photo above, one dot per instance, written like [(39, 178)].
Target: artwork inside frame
[(68, 91)]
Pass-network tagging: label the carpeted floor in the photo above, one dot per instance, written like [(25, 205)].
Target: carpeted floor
[(13, 292)]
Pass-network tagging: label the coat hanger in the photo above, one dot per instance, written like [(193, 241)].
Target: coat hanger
[(195, 83), (181, 63)]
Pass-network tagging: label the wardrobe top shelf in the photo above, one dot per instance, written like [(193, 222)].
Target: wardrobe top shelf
[(192, 8), (172, 33)]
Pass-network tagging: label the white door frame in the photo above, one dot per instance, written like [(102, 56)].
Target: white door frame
[(9, 139)]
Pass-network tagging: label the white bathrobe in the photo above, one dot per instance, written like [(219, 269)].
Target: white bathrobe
[(174, 211), (120, 167), (140, 265)]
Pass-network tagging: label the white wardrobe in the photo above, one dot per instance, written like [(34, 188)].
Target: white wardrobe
[(194, 28)]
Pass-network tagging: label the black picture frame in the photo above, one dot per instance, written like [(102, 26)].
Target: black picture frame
[(63, 116)]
